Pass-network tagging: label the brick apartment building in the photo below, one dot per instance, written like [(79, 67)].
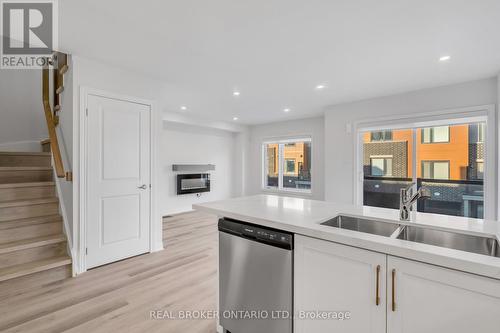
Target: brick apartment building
[(450, 162), (296, 165)]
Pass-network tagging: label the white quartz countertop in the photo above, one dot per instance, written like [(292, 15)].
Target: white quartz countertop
[(304, 217)]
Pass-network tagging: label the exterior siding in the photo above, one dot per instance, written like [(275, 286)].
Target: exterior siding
[(398, 151)]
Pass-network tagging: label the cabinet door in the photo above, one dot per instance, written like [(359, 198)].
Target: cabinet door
[(330, 277), (434, 299)]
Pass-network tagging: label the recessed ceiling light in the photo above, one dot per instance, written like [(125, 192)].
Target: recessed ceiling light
[(236, 93), (320, 87), (235, 118), (286, 110), (184, 108), (445, 58)]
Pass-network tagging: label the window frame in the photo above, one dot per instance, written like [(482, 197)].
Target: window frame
[(383, 137), (481, 133), (432, 162), (447, 117), (432, 135), (281, 165), (478, 162), (385, 158), (287, 171)]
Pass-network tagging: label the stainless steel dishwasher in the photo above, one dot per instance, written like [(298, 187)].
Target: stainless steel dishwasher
[(255, 278)]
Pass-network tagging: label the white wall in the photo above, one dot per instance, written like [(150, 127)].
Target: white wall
[(22, 121), (313, 127), (498, 145), (96, 75), (339, 142), (65, 138), (23, 124), (242, 162), (332, 147), (186, 144)]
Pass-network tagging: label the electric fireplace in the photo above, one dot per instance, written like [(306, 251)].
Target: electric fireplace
[(193, 183)]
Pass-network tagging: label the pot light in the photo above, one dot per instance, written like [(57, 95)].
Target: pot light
[(184, 108), (445, 58), (236, 93), (320, 87), (235, 118), (286, 110)]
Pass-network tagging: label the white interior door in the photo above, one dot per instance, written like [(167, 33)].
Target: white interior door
[(118, 179)]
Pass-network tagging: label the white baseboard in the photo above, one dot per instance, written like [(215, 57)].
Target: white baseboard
[(177, 213), (157, 246), (66, 229)]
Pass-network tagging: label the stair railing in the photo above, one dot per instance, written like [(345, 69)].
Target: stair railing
[(59, 62)]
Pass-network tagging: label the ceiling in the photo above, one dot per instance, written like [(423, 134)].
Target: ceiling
[(275, 52)]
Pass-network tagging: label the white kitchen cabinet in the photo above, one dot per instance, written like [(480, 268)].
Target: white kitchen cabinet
[(420, 297), (429, 298), (330, 277)]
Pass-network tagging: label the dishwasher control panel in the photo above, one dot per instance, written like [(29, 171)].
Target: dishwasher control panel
[(257, 233)]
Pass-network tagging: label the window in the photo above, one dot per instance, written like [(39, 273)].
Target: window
[(287, 165), (480, 169), (387, 168), (381, 136), (435, 169), (381, 166), (439, 134), (290, 166), (453, 170), (481, 132), (271, 165)]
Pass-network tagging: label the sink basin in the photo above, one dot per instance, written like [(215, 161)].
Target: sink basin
[(362, 225), (451, 240)]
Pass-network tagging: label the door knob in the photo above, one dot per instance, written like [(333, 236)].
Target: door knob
[(143, 187)]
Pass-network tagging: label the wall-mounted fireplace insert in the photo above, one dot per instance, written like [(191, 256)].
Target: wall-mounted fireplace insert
[(193, 183)]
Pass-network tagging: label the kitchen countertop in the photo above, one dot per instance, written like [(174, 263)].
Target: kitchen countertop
[(304, 217)]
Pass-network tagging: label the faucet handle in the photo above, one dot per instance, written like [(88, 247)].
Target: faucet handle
[(409, 188)]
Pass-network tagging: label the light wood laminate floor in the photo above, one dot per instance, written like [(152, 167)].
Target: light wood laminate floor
[(119, 297)]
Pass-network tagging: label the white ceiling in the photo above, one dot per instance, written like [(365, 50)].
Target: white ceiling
[(276, 51)]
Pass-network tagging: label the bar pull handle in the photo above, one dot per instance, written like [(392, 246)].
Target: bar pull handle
[(393, 290), (377, 293)]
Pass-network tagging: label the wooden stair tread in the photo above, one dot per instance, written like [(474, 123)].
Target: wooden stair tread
[(29, 184), (16, 271), (25, 168), (17, 203), (24, 153), (31, 243), (18, 223)]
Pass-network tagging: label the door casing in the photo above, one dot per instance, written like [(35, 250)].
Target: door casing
[(81, 176)]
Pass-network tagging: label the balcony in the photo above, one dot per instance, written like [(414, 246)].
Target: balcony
[(291, 182), (449, 197)]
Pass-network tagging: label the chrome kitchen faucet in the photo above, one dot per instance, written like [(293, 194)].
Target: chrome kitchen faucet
[(407, 199)]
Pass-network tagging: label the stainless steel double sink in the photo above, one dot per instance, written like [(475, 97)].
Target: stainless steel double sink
[(453, 240)]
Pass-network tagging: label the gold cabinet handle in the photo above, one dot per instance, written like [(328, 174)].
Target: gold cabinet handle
[(393, 290), (377, 294)]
